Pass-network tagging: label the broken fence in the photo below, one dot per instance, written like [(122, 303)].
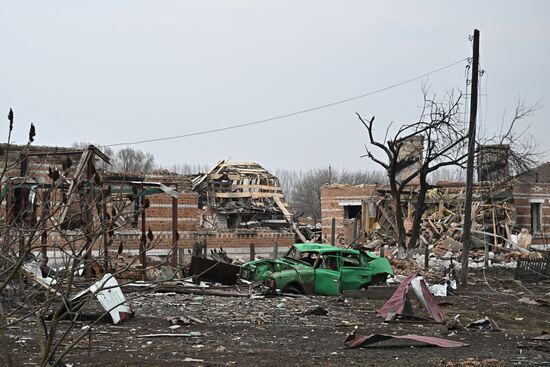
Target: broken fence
[(533, 270)]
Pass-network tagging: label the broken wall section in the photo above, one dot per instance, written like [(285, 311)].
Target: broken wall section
[(348, 205)]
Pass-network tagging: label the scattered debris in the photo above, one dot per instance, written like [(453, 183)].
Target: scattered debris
[(319, 311), (188, 359), (446, 286), (533, 269), (184, 320), (485, 324), (106, 290), (527, 301), (455, 324), (186, 335)]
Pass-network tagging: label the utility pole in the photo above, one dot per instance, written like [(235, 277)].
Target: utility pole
[(467, 234)]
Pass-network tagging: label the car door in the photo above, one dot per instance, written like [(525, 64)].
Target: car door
[(327, 275), (355, 272)]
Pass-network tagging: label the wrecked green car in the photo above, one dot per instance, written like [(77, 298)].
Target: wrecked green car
[(319, 269)]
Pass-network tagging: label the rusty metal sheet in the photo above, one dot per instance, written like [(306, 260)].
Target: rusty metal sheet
[(354, 341), (396, 303)]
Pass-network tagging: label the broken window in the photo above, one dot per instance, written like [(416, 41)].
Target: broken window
[(330, 261), (352, 211), (536, 215), (350, 260)]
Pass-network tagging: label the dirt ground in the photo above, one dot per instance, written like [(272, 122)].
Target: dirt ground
[(275, 332)]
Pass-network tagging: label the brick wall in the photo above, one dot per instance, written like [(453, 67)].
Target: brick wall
[(526, 194), (214, 239), (37, 166), (540, 174), (333, 201), (159, 215)]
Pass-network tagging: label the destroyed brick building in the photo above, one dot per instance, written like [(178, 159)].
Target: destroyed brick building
[(231, 206), (504, 209), (241, 203), (348, 205), (240, 195), (531, 199)]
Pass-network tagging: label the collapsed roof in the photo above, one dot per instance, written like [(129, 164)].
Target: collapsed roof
[(241, 187)]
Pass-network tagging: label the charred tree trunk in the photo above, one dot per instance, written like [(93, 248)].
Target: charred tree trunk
[(418, 212)]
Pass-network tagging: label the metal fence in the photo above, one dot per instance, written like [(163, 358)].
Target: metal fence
[(533, 270)]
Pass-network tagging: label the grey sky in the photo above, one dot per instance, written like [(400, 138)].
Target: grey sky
[(116, 71)]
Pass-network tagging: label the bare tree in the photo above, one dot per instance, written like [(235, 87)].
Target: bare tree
[(133, 160), (518, 147), (444, 139), (185, 168), (444, 145), (288, 179), (124, 160), (306, 192), (41, 293)]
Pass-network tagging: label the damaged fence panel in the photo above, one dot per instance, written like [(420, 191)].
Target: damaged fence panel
[(533, 270)]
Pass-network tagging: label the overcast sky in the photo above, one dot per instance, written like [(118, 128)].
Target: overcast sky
[(119, 71)]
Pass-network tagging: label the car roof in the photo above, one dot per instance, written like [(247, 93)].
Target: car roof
[(319, 247)]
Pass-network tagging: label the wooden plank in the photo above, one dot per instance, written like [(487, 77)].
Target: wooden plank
[(285, 211), (217, 176), (297, 231), (259, 187), (255, 195), (82, 164)]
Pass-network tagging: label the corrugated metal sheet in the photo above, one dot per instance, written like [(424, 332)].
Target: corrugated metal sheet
[(109, 294), (354, 341)]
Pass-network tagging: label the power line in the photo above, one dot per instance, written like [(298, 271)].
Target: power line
[(299, 112)]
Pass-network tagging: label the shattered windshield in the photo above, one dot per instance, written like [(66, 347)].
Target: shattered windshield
[(304, 257)]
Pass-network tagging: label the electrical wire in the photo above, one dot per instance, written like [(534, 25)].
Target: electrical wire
[(299, 112)]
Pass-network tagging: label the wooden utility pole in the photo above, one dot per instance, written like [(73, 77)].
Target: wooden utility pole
[(143, 242), (467, 235), (175, 234), (333, 232)]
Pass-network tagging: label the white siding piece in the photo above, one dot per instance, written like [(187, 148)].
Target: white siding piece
[(170, 191), (350, 203), (109, 294)]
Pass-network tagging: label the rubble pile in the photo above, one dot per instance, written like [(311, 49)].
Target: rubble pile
[(495, 239), (241, 195)]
